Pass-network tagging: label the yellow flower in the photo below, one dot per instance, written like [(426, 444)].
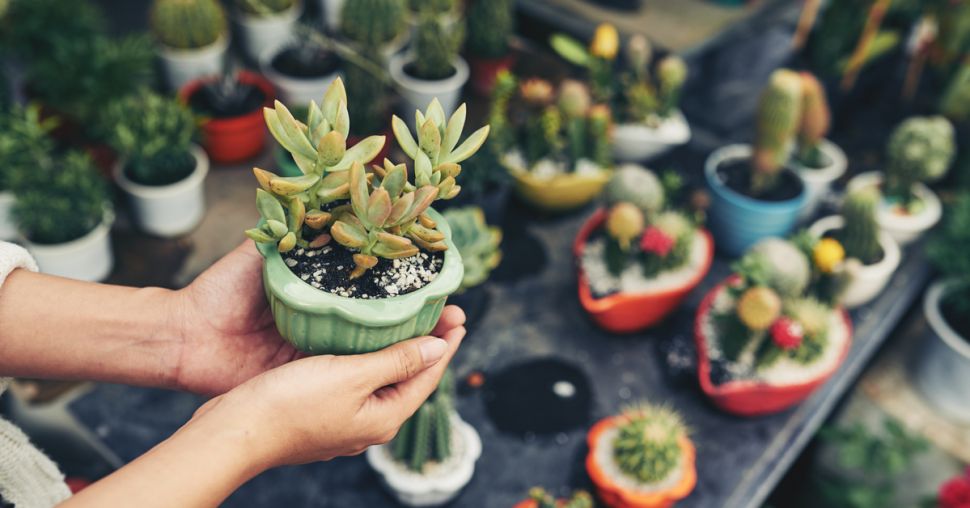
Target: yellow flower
[(828, 254), (606, 42)]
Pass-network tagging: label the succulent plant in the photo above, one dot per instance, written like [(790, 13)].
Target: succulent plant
[(860, 235), (542, 499), (427, 436), (477, 242), (491, 24), (779, 113), (624, 223), (759, 307), (436, 45), (264, 7), (674, 224), (635, 184), (920, 149), (373, 23), (815, 121), (503, 135), (671, 75), (187, 24), (647, 445), (778, 264)]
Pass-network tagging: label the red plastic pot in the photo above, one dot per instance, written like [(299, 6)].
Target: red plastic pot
[(631, 312), (749, 397), (484, 71), (235, 139)]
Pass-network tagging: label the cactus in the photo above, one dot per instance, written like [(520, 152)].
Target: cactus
[(477, 242), (503, 135), (639, 52), (264, 8), (815, 121), (187, 24), (674, 224), (599, 135), (542, 499), (671, 75), (828, 255), (574, 103), (810, 313), (624, 223), (597, 59), (780, 265), (427, 436), (759, 307), (920, 149), (436, 47), (638, 185), (860, 235), (491, 24), (434, 6), (647, 445), (373, 23), (779, 112)]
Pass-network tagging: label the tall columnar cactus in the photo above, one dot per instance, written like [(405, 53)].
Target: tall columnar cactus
[(574, 103), (600, 123), (637, 185), (187, 24), (779, 112), (647, 446), (639, 52), (503, 136), (860, 235), (815, 120), (436, 46), (920, 149), (373, 23), (427, 436), (491, 24), (477, 242), (671, 75)]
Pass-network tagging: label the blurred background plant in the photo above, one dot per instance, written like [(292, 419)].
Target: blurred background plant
[(436, 45), (477, 242), (491, 24), (948, 251), (187, 24), (263, 8)]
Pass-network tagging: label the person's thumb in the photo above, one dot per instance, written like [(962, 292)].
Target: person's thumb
[(401, 361)]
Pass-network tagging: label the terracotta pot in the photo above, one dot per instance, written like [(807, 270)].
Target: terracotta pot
[(238, 138), (750, 397), (618, 496), (484, 71), (631, 312)]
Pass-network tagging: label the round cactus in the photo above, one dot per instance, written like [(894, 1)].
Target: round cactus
[(785, 267), (624, 223), (490, 26), (635, 184), (647, 445), (674, 224), (810, 313), (759, 307), (920, 149), (815, 121), (187, 24), (373, 23), (779, 112)]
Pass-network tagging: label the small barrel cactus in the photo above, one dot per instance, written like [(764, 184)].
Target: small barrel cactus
[(784, 267), (624, 223), (373, 23), (427, 436), (491, 24), (779, 112), (815, 121), (647, 446), (810, 313), (187, 24), (860, 235), (436, 47), (920, 149), (635, 184), (671, 75), (758, 307), (477, 242)]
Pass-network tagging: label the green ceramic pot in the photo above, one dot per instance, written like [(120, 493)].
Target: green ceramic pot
[(318, 322)]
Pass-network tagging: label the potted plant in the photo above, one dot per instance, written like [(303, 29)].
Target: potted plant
[(301, 67), (556, 147), (539, 498), (433, 68), (355, 262), (266, 25), (753, 194), (191, 37), (639, 258), (817, 160), (641, 458), (942, 371), (231, 109), (773, 332), (648, 121), (871, 255), (433, 456), (23, 140), (160, 170), (478, 243), (378, 27), (491, 24), (920, 151)]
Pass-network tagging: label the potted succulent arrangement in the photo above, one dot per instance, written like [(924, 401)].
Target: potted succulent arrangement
[(192, 38), (773, 332), (433, 456), (160, 170), (920, 150), (231, 109), (871, 255), (478, 244), (301, 66), (555, 145), (539, 498), (491, 24), (641, 458), (639, 257), (648, 122), (754, 195), (432, 68), (942, 370), (355, 261), (266, 25)]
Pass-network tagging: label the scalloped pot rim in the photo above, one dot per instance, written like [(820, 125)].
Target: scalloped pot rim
[(377, 312)]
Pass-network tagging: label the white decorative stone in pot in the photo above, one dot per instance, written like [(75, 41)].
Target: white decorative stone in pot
[(639, 142), (418, 93), (88, 258), (184, 65), (904, 228), (942, 369), (867, 281), (8, 230), (818, 181), (263, 34)]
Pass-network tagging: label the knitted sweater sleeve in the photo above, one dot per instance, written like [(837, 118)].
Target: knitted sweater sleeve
[(28, 479)]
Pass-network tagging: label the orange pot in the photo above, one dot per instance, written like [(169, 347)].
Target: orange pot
[(617, 496), (631, 312), (749, 397)]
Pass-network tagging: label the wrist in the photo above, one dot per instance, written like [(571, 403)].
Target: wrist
[(233, 433)]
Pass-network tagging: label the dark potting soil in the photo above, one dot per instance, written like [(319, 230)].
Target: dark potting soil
[(736, 175), (959, 321), (411, 70), (306, 62), (210, 102), (329, 267), (542, 396)]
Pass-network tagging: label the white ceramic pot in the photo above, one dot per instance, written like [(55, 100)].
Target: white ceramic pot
[(639, 142), (184, 65), (818, 181), (417, 93), (87, 258), (8, 229), (867, 281), (903, 228), (942, 369), (330, 10), (432, 489), (294, 91), (262, 34), (168, 210)]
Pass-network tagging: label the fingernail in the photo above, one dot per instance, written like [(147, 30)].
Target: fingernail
[(432, 350)]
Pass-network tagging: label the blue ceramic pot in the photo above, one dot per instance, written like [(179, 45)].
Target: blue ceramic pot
[(738, 221)]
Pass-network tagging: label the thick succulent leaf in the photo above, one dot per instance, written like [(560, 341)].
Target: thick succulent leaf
[(276, 228), (321, 240), (435, 112), (429, 138), (335, 94), (453, 131), (348, 235), (341, 123), (290, 185), (403, 136), (358, 191), (315, 122), (308, 166), (393, 241), (387, 251), (329, 195), (418, 118), (454, 192), (364, 262), (287, 131), (287, 243), (269, 207), (428, 246), (426, 234), (422, 169), (317, 219), (445, 187), (362, 152), (427, 221), (468, 148), (394, 181), (331, 148), (448, 169), (423, 197), (297, 214), (259, 236), (400, 208), (570, 49), (263, 177), (379, 207)]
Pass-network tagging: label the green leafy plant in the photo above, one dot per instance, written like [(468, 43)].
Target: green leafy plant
[(24, 141), (154, 134), (34, 29), (491, 24), (948, 251), (436, 45), (427, 436), (543, 499), (187, 24), (647, 447), (264, 7), (920, 149), (477, 242)]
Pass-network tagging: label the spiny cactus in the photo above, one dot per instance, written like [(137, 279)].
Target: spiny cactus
[(542, 499), (436, 47), (638, 185), (671, 75), (491, 24), (779, 112), (438, 7), (624, 223), (427, 436), (920, 149), (574, 104), (503, 135), (778, 264), (187, 24), (373, 23), (599, 135), (812, 314), (815, 121), (860, 235), (674, 224), (759, 307), (265, 7), (647, 446), (477, 242)]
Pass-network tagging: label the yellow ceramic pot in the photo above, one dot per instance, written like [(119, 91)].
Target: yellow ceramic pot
[(561, 192)]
